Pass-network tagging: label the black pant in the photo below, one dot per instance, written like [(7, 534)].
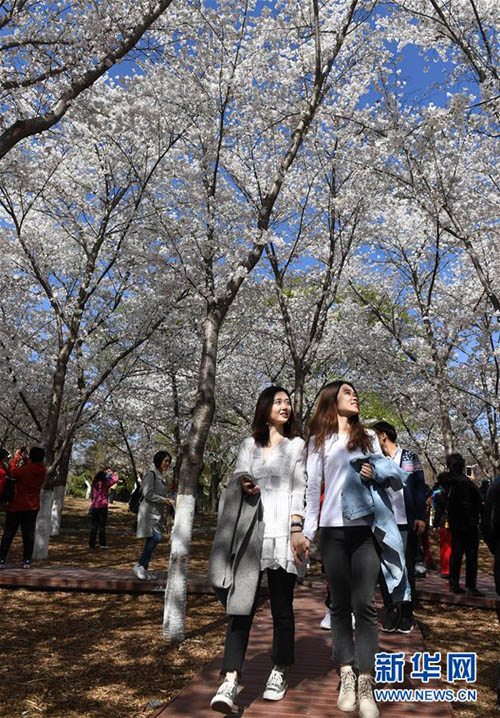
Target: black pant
[(27, 521), (352, 566), (496, 566), (464, 541), (410, 541), (99, 518), (281, 585)]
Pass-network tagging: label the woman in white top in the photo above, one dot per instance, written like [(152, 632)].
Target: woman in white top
[(274, 457), (347, 547)]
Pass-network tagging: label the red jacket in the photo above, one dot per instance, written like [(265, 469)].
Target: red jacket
[(3, 476), (29, 481), (13, 463)]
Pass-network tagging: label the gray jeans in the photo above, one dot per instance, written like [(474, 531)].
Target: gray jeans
[(352, 566)]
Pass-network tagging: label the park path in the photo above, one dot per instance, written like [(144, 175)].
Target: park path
[(119, 580), (313, 680)]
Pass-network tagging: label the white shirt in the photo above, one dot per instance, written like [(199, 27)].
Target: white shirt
[(336, 468), (397, 497), (282, 482)]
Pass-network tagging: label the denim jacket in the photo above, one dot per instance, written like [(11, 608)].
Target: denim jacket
[(368, 498)]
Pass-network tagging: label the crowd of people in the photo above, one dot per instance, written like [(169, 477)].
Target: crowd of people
[(23, 476), (364, 499), (352, 489)]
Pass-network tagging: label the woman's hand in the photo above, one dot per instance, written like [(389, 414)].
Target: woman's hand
[(249, 487), (419, 527), (366, 471), (300, 547)]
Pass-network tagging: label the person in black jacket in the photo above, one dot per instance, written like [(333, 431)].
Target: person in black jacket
[(491, 526), (409, 510), (464, 515)]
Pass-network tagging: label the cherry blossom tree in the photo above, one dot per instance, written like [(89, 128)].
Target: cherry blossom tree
[(85, 282), (271, 78), (50, 53)]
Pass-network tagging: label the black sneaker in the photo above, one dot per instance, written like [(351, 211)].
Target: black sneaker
[(474, 591), (391, 619), (456, 588), (405, 625)]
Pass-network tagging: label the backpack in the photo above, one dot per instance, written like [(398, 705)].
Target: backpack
[(135, 499), (440, 500)]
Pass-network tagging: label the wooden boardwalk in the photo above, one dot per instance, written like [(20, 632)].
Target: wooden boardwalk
[(313, 679), (436, 589), (93, 580), (119, 580)]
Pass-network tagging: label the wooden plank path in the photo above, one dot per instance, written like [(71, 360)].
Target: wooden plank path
[(436, 589), (94, 580), (119, 580), (313, 680)]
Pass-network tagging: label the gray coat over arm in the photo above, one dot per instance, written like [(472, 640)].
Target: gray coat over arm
[(234, 566)]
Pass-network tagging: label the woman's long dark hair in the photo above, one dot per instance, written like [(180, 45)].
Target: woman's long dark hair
[(98, 478), (260, 426), (324, 421)]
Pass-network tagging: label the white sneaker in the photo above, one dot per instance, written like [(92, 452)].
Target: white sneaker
[(326, 621), (347, 694), (140, 572), (367, 706), (420, 570), (224, 700), (276, 685)]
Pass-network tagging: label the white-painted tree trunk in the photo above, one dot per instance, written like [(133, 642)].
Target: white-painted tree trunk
[(176, 588), (43, 525), (57, 509)]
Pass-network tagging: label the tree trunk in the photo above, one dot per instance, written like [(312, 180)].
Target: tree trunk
[(57, 509), (177, 431), (43, 524), (444, 414), (215, 479), (298, 397), (60, 491), (192, 464), (176, 589), (55, 403)]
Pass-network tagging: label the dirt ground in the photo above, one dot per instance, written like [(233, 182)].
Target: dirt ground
[(71, 655)]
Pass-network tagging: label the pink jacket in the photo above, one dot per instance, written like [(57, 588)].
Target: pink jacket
[(100, 492)]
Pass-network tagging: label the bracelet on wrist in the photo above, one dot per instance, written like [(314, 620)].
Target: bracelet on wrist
[(297, 523), (296, 531)]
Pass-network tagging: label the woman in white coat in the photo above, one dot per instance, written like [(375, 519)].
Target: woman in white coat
[(347, 547), (270, 464)]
